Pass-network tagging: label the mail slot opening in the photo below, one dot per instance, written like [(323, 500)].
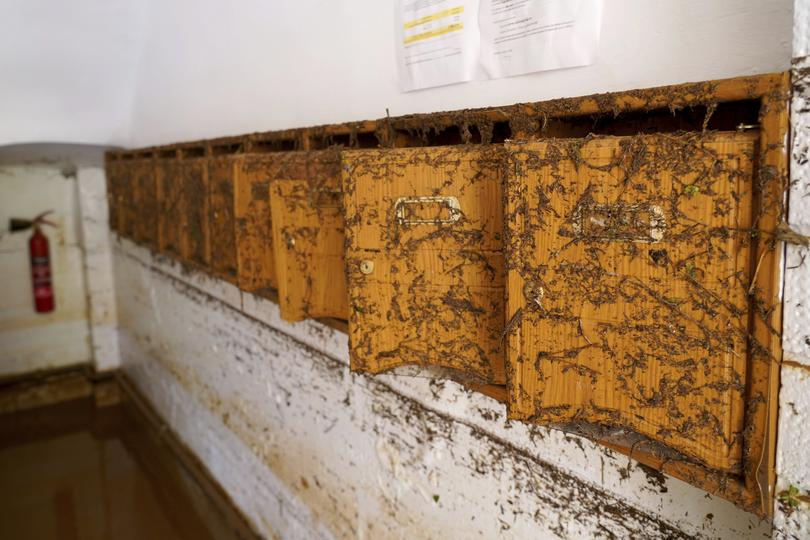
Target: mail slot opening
[(434, 136), (500, 132), (277, 145), (720, 117), (360, 139), (224, 149), (193, 152)]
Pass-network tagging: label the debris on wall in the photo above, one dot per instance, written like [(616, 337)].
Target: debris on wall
[(792, 513), (260, 400)]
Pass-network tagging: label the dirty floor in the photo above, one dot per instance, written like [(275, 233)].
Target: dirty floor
[(74, 471)]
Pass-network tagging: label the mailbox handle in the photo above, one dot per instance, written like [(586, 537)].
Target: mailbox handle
[(450, 202)]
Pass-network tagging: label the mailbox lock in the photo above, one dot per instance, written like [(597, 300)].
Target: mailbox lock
[(367, 267)]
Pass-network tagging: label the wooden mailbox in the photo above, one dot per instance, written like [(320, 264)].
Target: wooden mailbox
[(114, 168), (425, 259), (629, 266), (143, 199), (182, 194), (308, 235), (125, 187), (193, 172), (222, 172), (170, 203), (256, 270)]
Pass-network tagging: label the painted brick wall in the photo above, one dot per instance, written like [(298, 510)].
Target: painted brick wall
[(309, 450), (101, 309), (30, 341), (793, 446), (68, 179)]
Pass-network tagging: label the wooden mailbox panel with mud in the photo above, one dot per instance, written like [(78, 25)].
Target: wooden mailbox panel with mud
[(170, 216), (255, 257), (226, 159), (144, 200), (425, 259), (114, 170), (608, 265), (308, 235), (192, 171)]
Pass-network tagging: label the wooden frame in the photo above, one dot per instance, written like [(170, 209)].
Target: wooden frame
[(761, 100)]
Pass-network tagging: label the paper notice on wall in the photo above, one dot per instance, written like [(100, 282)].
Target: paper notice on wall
[(437, 42), (522, 36)]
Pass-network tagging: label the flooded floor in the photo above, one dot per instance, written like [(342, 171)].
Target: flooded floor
[(73, 471)]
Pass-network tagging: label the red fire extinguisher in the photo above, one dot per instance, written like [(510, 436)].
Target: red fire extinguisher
[(40, 256)]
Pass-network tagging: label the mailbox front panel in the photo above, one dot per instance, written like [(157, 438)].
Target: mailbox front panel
[(113, 170), (144, 198), (171, 217), (256, 266), (194, 176), (222, 228), (425, 259), (629, 266), (126, 205), (308, 235)]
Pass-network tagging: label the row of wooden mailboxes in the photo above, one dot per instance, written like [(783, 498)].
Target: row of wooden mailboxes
[(604, 280)]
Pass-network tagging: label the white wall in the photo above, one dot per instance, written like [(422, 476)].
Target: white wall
[(67, 70), (82, 329), (309, 450), (213, 67), (793, 447), (28, 340), (149, 72), (102, 314)]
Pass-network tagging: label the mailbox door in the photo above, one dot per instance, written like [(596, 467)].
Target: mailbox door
[(145, 202), (221, 175), (308, 235), (126, 204), (172, 207), (256, 269), (629, 265), (425, 259), (113, 170), (194, 237)]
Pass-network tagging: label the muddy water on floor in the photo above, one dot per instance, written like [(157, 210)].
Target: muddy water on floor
[(72, 471)]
